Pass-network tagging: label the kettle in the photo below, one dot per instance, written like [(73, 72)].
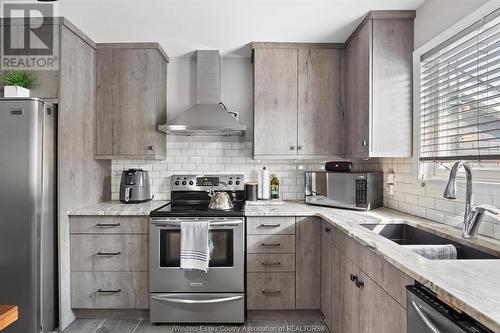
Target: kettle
[(134, 186), (220, 201)]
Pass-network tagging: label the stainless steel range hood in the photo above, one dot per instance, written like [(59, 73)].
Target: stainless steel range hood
[(207, 117)]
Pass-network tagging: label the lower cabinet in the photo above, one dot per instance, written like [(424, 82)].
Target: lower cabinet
[(109, 262), (283, 263), (359, 301)]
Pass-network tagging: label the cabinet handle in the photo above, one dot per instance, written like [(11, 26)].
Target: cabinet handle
[(104, 253), (108, 225), (271, 292), (364, 143), (274, 263), (354, 277), (151, 148), (269, 226), (359, 283), (108, 291), (292, 147), (299, 147), (271, 244), (327, 229)]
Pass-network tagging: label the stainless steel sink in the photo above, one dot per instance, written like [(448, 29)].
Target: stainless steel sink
[(404, 234)]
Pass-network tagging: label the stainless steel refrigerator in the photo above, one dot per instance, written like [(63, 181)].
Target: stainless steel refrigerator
[(28, 216)]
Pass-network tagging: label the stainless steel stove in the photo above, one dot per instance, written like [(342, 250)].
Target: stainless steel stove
[(178, 296)]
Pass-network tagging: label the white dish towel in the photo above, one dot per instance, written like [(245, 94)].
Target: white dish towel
[(435, 252), (195, 253)]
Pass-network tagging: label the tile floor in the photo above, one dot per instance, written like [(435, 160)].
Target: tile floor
[(144, 326)]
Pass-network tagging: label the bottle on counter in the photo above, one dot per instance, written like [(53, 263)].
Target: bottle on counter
[(275, 187)]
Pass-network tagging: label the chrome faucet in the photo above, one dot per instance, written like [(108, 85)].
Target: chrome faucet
[(473, 215)]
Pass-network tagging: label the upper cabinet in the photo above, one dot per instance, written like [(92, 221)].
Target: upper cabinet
[(131, 101), (326, 100), (297, 100), (378, 86)]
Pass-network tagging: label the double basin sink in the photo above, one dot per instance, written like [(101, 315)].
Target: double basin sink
[(404, 234)]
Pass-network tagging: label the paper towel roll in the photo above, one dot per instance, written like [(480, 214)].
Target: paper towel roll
[(266, 183)]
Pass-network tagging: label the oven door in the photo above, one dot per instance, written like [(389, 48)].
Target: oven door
[(226, 267)]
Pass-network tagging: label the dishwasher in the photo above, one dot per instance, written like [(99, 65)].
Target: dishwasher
[(427, 314)]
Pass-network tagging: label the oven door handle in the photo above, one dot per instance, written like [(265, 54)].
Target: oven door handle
[(196, 301), (165, 223)]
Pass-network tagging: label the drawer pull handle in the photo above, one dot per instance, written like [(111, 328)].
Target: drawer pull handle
[(270, 226), (271, 292), (108, 291), (104, 253), (354, 277), (270, 244), (327, 229), (360, 283), (274, 263), (108, 225)]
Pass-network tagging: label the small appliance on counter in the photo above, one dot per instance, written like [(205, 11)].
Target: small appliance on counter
[(352, 190), (134, 186)]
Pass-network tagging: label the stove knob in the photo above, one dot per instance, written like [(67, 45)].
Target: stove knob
[(230, 182), (183, 182), (191, 182), (176, 182), (237, 182)]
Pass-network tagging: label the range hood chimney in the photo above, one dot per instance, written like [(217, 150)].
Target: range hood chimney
[(208, 116)]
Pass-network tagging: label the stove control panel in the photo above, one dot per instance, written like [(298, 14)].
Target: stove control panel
[(232, 182)]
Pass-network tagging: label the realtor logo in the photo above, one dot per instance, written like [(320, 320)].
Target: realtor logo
[(29, 36)]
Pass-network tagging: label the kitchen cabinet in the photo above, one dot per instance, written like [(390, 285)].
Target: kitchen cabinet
[(297, 100), (131, 101), (308, 260), (270, 264), (109, 262), (326, 272), (378, 86), (364, 289)]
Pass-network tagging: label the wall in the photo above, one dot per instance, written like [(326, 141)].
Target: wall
[(425, 199), (201, 157), (435, 16)]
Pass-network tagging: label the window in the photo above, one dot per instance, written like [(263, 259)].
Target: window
[(459, 96)]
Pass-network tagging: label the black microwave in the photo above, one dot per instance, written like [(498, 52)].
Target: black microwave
[(352, 190)]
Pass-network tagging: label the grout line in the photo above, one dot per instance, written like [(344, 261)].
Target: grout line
[(135, 329), (100, 325)]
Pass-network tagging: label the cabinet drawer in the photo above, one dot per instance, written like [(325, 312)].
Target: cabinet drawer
[(108, 225), (266, 291), (276, 262), (111, 253), (109, 290), (270, 243), (271, 225)]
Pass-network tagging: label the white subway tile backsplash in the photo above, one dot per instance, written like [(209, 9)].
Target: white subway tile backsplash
[(215, 157), (427, 201)]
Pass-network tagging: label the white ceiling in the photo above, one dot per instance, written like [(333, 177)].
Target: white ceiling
[(182, 26)]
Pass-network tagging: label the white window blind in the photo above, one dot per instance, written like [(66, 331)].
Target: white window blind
[(460, 95)]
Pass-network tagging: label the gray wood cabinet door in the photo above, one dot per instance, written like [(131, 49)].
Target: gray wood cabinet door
[(131, 101), (392, 88), (326, 272), (319, 102), (349, 297), (308, 254), (378, 311), (358, 92), (275, 101)]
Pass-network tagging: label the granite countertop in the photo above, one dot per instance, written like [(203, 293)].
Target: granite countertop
[(117, 208), (472, 286)]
